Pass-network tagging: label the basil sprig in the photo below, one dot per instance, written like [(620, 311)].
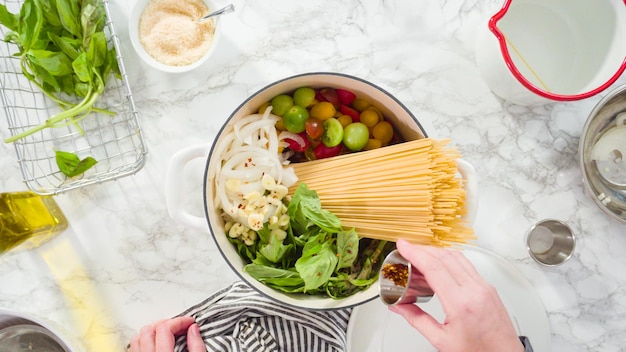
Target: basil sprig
[(63, 50)]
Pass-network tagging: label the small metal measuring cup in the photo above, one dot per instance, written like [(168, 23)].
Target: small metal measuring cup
[(550, 242), (400, 283)]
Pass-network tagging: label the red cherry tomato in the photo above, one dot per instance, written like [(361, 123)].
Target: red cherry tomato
[(330, 95), (346, 97), (314, 128), (355, 115), (322, 151), (297, 147)]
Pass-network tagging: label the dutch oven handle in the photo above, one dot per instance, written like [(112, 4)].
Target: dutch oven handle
[(173, 182)]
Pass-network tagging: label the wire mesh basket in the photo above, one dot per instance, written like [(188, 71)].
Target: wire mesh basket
[(116, 141)]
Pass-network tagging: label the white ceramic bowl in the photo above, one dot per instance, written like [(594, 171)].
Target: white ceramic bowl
[(133, 33), (393, 109)]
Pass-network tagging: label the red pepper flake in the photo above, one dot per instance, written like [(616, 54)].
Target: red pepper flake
[(398, 273)]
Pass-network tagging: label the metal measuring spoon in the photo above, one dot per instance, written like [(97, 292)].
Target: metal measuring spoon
[(223, 10)]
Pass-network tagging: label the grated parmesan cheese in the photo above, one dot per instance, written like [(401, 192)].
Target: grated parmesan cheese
[(170, 32)]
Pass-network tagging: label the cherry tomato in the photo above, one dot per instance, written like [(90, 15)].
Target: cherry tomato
[(323, 110), (383, 131), (281, 103), (346, 110), (304, 96), (346, 97), (333, 133), (322, 151), (372, 144), (345, 120), (369, 117), (330, 95), (297, 147), (360, 104), (295, 119), (263, 107), (355, 136), (314, 128)]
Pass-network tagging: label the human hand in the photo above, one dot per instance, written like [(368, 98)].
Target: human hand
[(476, 319), (160, 336)]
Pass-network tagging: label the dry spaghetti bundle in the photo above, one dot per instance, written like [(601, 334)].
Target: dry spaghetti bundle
[(408, 190)]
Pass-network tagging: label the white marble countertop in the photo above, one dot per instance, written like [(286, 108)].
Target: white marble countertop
[(125, 263)]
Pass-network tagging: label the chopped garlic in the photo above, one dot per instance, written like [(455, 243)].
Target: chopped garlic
[(268, 182), (279, 234), (233, 185), (252, 196), (255, 221), (283, 221)]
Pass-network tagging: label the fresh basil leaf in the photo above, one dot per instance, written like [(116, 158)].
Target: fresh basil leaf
[(68, 15), (66, 161), (347, 248), (29, 23), (275, 250), (81, 68), (247, 252), (55, 63), (315, 243), (82, 89), (11, 37), (317, 268), (50, 12), (67, 84), (47, 80), (92, 18), (97, 52), (113, 64), (65, 44), (8, 19), (275, 276), (71, 165), (308, 207)]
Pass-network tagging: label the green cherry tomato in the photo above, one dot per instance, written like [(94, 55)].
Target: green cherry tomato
[(281, 103), (355, 136), (333, 132), (295, 118), (304, 96)]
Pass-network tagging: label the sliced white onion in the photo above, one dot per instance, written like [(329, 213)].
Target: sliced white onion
[(247, 153)]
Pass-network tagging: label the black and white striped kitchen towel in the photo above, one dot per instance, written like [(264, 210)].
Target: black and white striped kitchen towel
[(239, 319)]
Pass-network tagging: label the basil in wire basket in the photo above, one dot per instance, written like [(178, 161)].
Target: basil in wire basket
[(63, 50)]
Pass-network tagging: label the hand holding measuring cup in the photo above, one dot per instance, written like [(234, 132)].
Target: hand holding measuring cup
[(476, 319)]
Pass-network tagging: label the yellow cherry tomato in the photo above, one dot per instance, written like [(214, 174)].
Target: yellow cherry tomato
[(369, 117), (383, 131), (323, 110), (263, 107), (280, 125), (345, 120), (372, 144), (360, 104)]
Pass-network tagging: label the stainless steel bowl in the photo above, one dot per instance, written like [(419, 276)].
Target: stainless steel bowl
[(606, 193), (23, 332)]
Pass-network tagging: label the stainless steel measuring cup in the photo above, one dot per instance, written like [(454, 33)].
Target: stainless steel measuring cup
[(400, 283)]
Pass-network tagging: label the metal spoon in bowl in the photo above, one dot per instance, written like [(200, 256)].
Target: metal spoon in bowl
[(223, 10)]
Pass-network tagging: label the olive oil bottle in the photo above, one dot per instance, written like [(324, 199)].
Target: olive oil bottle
[(29, 219)]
